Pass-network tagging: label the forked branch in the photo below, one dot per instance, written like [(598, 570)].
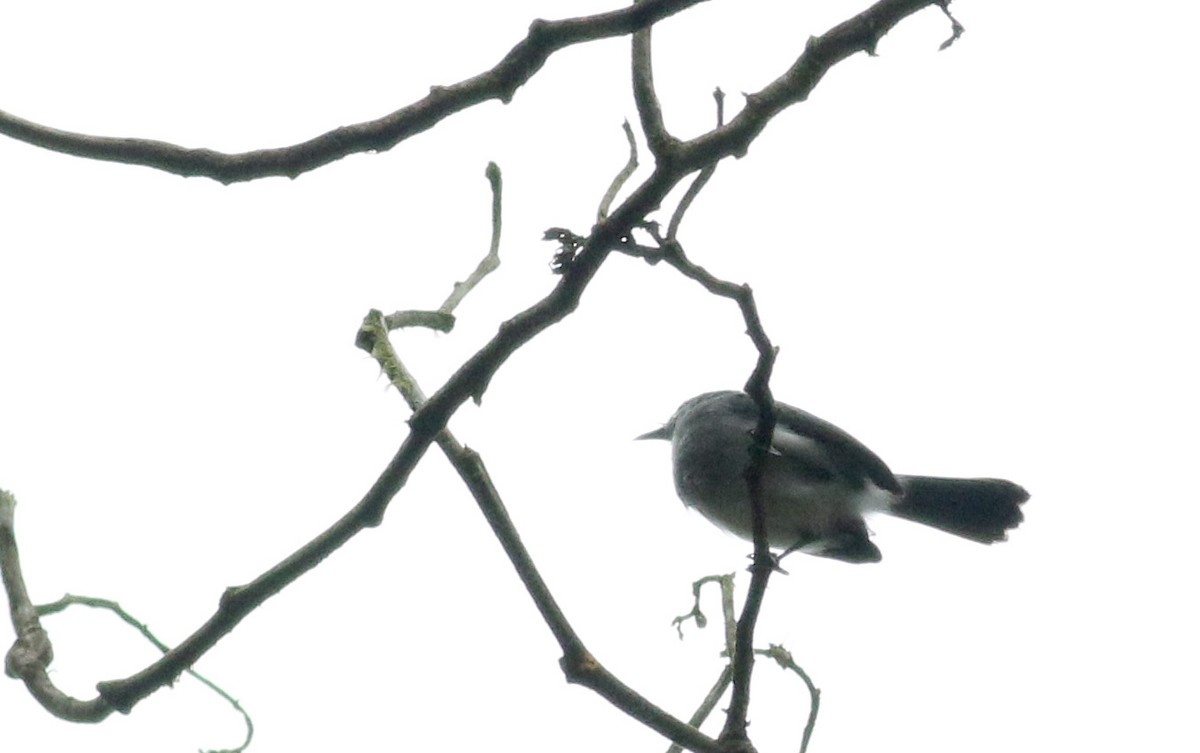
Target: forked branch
[(31, 655)]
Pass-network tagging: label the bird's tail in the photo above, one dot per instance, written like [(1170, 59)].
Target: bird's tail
[(980, 509)]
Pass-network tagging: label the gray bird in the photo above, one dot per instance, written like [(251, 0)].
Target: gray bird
[(817, 482)]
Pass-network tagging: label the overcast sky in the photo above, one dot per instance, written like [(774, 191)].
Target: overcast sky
[(980, 262)]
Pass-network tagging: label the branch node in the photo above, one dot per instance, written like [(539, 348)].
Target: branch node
[(231, 597), (578, 664)]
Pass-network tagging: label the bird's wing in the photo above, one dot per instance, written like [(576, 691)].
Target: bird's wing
[(803, 456), (818, 443)]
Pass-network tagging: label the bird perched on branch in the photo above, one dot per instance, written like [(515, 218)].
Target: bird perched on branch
[(817, 482)]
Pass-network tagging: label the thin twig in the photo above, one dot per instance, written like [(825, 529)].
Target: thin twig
[(860, 33), (784, 658), (711, 699), (111, 606), (697, 615), (702, 178), (489, 263), (621, 178), (730, 624)]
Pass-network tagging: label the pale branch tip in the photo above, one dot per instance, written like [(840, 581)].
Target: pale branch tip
[(623, 176), (491, 261)]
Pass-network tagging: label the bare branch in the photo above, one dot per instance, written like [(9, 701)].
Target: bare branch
[(758, 387), (711, 699), (577, 662), (858, 34), (471, 379), (648, 107), (112, 606), (31, 654), (500, 82)]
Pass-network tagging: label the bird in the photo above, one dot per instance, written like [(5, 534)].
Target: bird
[(817, 482)]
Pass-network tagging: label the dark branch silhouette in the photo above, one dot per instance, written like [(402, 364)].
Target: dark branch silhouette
[(500, 82), (675, 161)]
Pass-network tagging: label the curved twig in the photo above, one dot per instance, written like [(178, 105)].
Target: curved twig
[(730, 624), (702, 178), (784, 658), (489, 263), (111, 606), (622, 177), (31, 654)]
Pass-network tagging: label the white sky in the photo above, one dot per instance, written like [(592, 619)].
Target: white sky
[(980, 262)]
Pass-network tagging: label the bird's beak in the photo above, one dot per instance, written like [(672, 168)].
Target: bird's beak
[(662, 432)]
